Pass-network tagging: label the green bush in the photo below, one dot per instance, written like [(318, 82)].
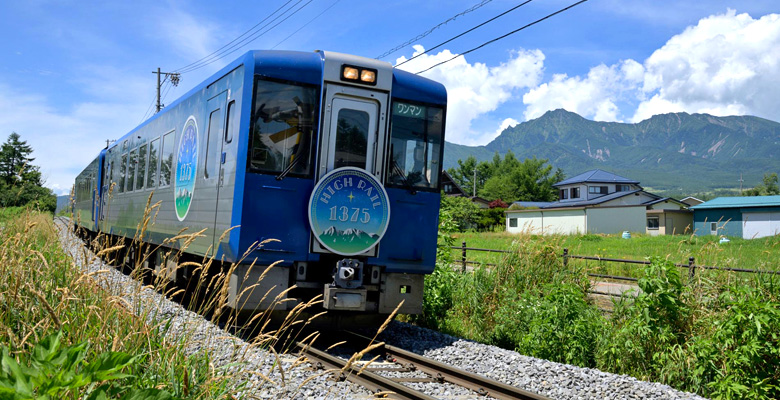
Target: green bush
[(656, 320), (560, 326)]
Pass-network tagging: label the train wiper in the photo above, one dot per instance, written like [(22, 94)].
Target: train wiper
[(400, 173), (288, 169)]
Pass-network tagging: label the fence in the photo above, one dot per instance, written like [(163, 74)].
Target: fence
[(691, 265)]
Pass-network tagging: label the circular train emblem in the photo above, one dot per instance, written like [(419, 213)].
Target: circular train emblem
[(349, 211), (186, 165)]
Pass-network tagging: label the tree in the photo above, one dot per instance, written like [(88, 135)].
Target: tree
[(20, 181), (769, 187), (15, 162), (530, 180)]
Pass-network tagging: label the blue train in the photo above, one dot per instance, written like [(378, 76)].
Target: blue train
[(336, 157)]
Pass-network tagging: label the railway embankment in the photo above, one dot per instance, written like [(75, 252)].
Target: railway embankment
[(255, 371)]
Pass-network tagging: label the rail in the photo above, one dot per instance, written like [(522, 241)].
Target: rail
[(439, 372)]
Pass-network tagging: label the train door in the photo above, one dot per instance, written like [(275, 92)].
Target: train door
[(212, 169), (353, 134), (354, 130)]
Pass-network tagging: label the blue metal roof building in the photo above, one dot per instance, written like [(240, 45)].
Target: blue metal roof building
[(745, 217)]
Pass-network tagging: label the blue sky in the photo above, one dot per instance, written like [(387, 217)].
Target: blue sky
[(75, 73)]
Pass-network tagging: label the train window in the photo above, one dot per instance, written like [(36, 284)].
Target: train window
[(154, 158), (132, 162), (212, 149), (351, 138), (282, 127), (416, 145), (122, 173), (141, 179), (232, 124), (166, 162)]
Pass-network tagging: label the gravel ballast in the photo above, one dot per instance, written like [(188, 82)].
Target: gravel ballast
[(258, 372)]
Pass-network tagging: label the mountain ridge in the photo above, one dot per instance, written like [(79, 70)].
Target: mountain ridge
[(675, 152)]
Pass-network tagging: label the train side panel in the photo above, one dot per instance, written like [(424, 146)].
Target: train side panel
[(185, 159)]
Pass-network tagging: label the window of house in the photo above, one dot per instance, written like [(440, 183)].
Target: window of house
[(652, 222), (597, 189), (713, 228), (622, 188), (575, 193), (513, 222), (563, 194)]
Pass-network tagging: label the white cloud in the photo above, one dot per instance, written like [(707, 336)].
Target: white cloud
[(507, 123), (65, 141), (726, 64), (592, 97), (476, 89), (192, 37)]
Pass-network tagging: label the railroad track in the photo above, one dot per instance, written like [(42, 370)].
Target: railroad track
[(403, 362)]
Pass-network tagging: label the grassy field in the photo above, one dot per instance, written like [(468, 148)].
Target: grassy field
[(761, 254)]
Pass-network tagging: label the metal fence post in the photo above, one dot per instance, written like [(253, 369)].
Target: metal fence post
[(691, 268), (463, 256), (565, 257)]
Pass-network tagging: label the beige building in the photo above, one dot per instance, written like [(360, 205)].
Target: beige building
[(599, 202)]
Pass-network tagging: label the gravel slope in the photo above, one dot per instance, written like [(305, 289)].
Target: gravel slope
[(259, 374)]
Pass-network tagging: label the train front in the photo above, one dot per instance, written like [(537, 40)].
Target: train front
[(343, 170)]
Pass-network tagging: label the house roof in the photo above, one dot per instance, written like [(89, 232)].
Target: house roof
[(538, 204), (447, 175), (738, 202), (662, 199), (597, 200), (596, 176)]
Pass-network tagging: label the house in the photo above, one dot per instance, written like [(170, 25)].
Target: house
[(745, 217), (452, 188), (600, 202)]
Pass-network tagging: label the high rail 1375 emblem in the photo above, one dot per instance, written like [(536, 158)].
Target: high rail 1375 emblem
[(186, 165), (349, 211)]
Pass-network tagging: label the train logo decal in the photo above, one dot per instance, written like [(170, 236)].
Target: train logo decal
[(349, 211), (186, 165)]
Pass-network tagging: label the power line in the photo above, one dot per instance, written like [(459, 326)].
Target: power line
[(463, 33), (503, 36), (310, 21), (234, 40), (429, 31), (247, 40)]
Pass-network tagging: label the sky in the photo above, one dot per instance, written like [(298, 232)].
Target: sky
[(74, 74)]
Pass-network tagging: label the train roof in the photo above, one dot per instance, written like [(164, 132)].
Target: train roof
[(307, 67)]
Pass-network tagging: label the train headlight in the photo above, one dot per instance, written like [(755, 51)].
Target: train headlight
[(349, 73), (368, 76)]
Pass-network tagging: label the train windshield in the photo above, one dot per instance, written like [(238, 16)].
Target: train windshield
[(282, 128), (416, 145)]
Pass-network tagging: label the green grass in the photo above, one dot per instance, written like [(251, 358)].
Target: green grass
[(715, 334), (760, 254), (50, 309)]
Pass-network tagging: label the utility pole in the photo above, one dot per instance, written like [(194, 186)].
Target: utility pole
[(174, 76), (474, 191), (740, 183)]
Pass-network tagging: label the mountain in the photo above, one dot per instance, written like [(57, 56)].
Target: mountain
[(668, 153)]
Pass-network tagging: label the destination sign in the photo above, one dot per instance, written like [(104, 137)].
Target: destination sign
[(409, 110)]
